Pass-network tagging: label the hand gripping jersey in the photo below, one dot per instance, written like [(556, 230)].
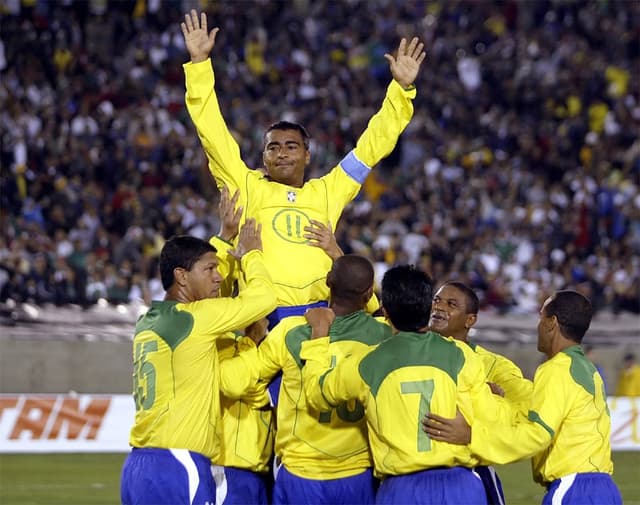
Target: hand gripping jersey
[(399, 381), (327, 443), (176, 372)]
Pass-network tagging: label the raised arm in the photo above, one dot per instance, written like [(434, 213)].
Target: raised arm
[(256, 298), (385, 127), (221, 149), (405, 66), (229, 223)]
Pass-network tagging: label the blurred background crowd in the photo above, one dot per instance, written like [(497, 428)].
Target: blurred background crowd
[(519, 173)]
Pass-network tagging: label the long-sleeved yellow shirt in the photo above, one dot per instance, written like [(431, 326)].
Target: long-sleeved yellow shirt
[(567, 429), (247, 424), (398, 382), (506, 374), (298, 269), (176, 372), (331, 442)]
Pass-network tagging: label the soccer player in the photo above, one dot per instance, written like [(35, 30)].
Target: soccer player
[(324, 453), (405, 376), (277, 196), (454, 311), (241, 470), (176, 432), (567, 429)]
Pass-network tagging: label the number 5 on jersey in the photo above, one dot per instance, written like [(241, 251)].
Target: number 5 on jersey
[(144, 376)]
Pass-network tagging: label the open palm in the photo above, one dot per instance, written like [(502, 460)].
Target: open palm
[(198, 40)]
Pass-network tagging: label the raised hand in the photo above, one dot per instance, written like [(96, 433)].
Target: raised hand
[(321, 236), (229, 215), (250, 239), (405, 66), (198, 40)]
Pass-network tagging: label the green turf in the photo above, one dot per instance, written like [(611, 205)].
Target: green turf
[(83, 479), (519, 488)]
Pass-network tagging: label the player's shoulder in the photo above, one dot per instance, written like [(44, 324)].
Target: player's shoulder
[(288, 323)]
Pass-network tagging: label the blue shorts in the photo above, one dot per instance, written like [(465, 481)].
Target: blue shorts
[(289, 488), (583, 489), (236, 486), (492, 484), (295, 310), (274, 318), (438, 486), (166, 477)]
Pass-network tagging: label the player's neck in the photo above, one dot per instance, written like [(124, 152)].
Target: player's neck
[(343, 309)]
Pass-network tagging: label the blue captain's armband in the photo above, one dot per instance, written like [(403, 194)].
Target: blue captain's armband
[(354, 168)]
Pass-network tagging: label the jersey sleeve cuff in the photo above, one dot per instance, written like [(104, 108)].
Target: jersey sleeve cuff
[(199, 78)]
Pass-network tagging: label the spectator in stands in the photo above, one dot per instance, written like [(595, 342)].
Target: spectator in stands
[(522, 96), (629, 379)]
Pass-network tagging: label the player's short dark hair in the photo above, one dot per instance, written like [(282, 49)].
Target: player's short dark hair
[(472, 303), (181, 251), (350, 278), (573, 312), (288, 125), (406, 297)]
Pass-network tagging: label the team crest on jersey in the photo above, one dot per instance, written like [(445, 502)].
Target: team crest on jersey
[(291, 196)]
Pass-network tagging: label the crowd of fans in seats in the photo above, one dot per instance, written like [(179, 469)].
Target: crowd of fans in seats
[(519, 173)]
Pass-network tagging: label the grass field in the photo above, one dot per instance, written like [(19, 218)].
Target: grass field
[(83, 479)]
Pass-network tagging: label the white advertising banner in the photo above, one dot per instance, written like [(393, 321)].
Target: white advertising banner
[(101, 423), (65, 423)]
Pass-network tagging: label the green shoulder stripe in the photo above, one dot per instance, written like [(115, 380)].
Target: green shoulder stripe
[(534, 417), (581, 369), (293, 340), (170, 324), (410, 349), (358, 327)]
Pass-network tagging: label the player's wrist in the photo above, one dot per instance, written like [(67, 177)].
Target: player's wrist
[(199, 58)]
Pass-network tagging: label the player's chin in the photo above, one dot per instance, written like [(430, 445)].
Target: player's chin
[(437, 324)]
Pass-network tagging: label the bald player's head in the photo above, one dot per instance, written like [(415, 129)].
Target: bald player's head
[(351, 279)]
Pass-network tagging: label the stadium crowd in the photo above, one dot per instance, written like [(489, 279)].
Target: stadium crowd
[(518, 174)]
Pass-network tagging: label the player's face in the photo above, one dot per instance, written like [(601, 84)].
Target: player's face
[(285, 157), (204, 279), (544, 322), (449, 313)]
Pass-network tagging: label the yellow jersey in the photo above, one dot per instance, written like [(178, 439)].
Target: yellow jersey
[(398, 382), (506, 374), (298, 269), (176, 380), (629, 382), (247, 427), (325, 443), (567, 429)]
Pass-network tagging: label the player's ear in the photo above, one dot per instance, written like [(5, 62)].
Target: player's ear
[(307, 157), (471, 320), (180, 276)]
